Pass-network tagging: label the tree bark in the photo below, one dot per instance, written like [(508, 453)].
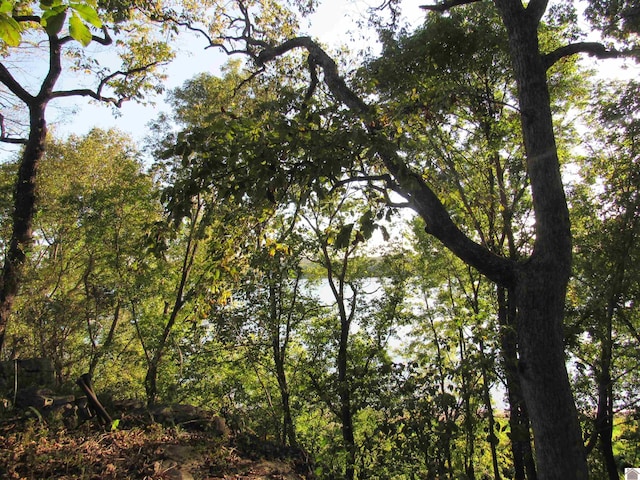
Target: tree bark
[(523, 463), (541, 283), (24, 210)]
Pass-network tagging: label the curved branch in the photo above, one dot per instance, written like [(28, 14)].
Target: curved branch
[(55, 69), (446, 5), (105, 41), (86, 92), (320, 58), (421, 197), (594, 49)]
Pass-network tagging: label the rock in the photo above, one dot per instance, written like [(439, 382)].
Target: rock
[(169, 470), (190, 418), (26, 373), (38, 398)]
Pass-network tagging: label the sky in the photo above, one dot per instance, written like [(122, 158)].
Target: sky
[(331, 24)]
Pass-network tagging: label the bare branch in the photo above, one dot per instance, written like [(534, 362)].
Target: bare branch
[(86, 92), (27, 18), (365, 178), (14, 141), (594, 49), (105, 41), (165, 18), (446, 5), (248, 80), (97, 93)]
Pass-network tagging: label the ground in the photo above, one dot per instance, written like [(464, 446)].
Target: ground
[(38, 448)]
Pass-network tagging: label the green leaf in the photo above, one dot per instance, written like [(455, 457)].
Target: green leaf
[(10, 30), (48, 4), (367, 224), (79, 31), (6, 6), (88, 13), (53, 19), (342, 239)]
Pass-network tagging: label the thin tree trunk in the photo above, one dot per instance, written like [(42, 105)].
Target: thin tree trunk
[(604, 415), (151, 378), (337, 284), (444, 459), (279, 351), (468, 417), (491, 419), (523, 462), (95, 359)]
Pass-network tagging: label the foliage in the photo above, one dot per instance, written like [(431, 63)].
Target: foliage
[(96, 204), (256, 268)]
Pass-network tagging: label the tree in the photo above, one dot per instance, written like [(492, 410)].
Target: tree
[(338, 240), (539, 282), (95, 206), (196, 253), (606, 226), (46, 22)]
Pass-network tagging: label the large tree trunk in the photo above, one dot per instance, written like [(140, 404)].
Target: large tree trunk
[(541, 283), (545, 383), (24, 211)]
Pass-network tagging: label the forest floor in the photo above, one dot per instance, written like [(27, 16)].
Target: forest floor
[(35, 449)]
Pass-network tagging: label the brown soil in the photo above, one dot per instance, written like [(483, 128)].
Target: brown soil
[(35, 450)]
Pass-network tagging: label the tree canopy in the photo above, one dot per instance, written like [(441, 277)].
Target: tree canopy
[(464, 199)]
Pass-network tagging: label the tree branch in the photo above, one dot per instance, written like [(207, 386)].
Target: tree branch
[(86, 92), (97, 94), (320, 58), (594, 49), (536, 8), (14, 141), (105, 41), (447, 5), (27, 18), (12, 84), (413, 187)]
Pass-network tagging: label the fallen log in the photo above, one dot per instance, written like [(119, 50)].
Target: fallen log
[(84, 382)]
